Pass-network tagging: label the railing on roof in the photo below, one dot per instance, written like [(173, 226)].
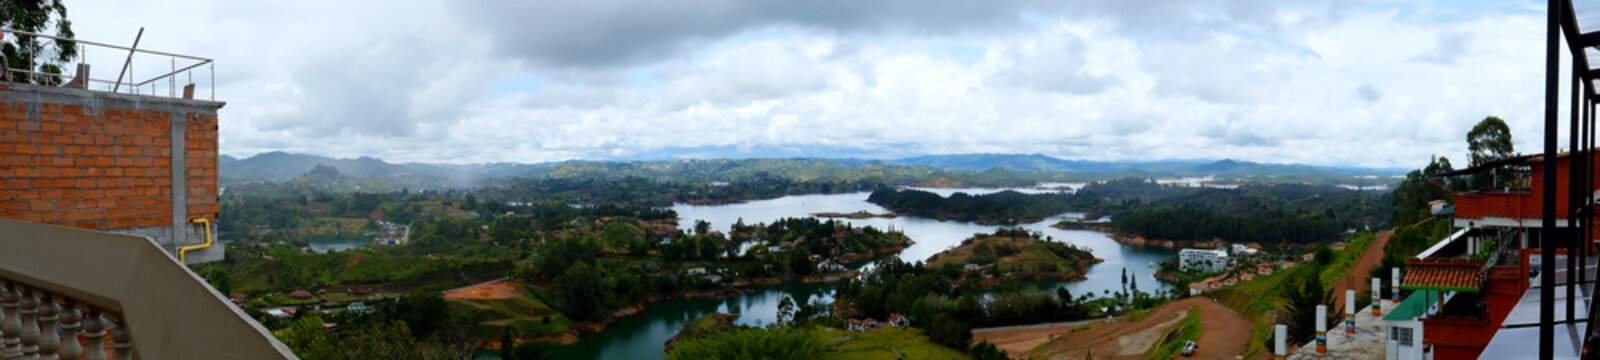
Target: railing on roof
[(154, 307), (123, 59)]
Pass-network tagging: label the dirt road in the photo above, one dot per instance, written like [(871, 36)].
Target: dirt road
[(1220, 334), (1358, 278)]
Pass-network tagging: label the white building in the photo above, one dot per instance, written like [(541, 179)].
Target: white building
[(1204, 260), (1404, 338), (1240, 250)]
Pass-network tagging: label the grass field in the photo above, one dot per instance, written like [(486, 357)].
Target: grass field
[(884, 343), (1343, 260), (1261, 301), (527, 315)]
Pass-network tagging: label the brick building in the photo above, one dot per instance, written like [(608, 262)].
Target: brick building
[(140, 165)]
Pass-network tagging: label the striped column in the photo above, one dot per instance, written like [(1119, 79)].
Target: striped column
[(1377, 297), (1350, 311), (1322, 329), (1394, 284)]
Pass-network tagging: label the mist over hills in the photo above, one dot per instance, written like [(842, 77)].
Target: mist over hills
[(276, 167)]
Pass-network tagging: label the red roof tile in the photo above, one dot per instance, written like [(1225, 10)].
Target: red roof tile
[(1437, 275)]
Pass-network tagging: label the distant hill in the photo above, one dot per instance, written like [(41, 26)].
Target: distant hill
[(1227, 168), (942, 170)]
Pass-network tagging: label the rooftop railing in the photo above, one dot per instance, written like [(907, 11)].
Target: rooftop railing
[(135, 73), (62, 289)]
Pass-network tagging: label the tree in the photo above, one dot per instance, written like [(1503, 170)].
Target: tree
[(27, 52), (702, 227), (1488, 141), (785, 310), (986, 350), (583, 291)]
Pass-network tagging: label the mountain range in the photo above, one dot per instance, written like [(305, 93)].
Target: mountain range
[(282, 166)]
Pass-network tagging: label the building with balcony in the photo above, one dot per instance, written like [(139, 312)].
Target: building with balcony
[(1477, 292), (1204, 260), (107, 190)]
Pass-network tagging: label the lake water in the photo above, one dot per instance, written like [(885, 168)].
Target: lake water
[(337, 242), (642, 335)]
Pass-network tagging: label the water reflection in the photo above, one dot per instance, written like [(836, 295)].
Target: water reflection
[(642, 335)]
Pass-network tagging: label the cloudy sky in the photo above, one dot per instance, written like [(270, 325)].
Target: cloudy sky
[(1357, 83)]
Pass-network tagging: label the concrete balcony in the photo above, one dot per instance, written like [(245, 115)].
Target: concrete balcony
[(66, 293)]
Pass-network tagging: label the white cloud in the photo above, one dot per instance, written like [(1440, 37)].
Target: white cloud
[(1322, 82)]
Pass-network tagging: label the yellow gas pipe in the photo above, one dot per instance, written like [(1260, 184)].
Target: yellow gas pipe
[(186, 249)]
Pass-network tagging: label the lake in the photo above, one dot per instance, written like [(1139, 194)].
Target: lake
[(642, 335), (337, 242)]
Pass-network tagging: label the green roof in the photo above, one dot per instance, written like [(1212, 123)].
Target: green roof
[(1413, 306)]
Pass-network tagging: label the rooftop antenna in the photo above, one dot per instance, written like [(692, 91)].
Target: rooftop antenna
[(129, 61)]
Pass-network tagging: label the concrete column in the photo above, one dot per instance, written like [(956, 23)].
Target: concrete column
[(12, 303), (70, 347), (49, 342), (1377, 297), (121, 342), (94, 333), (1281, 342), (1394, 284), (30, 324), (178, 126), (1322, 329), (1350, 311)]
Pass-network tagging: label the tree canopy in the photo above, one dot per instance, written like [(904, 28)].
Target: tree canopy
[(27, 52), (1490, 140)]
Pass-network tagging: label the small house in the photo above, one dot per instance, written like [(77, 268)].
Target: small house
[(300, 294), (358, 308), (971, 267), (899, 320)]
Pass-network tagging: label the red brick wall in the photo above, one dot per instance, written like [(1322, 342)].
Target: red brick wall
[(107, 168), (200, 138)]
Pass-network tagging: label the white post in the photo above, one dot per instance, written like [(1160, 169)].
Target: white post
[(1394, 284), (1322, 328), (1281, 342), (1350, 311), (1377, 297)]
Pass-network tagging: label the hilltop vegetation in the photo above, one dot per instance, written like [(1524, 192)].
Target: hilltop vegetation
[(983, 170), (1018, 253), (1005, 207)]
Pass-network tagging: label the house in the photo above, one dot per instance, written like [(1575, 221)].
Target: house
[(1240, 250), (972, 268), (283, 312), (1477, 287), (829, 266), (1440, 208), (358, 308), (1195, 288), (1404, 326), (899, 320), (1204, 260), (300, 294), (240, 301), (1264, 269), (856, 325), (1246, 277), (97, 176)]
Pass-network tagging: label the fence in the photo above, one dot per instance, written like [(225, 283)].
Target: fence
[(134, 74)]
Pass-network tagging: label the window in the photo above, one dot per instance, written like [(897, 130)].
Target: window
[(1401, 335)]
